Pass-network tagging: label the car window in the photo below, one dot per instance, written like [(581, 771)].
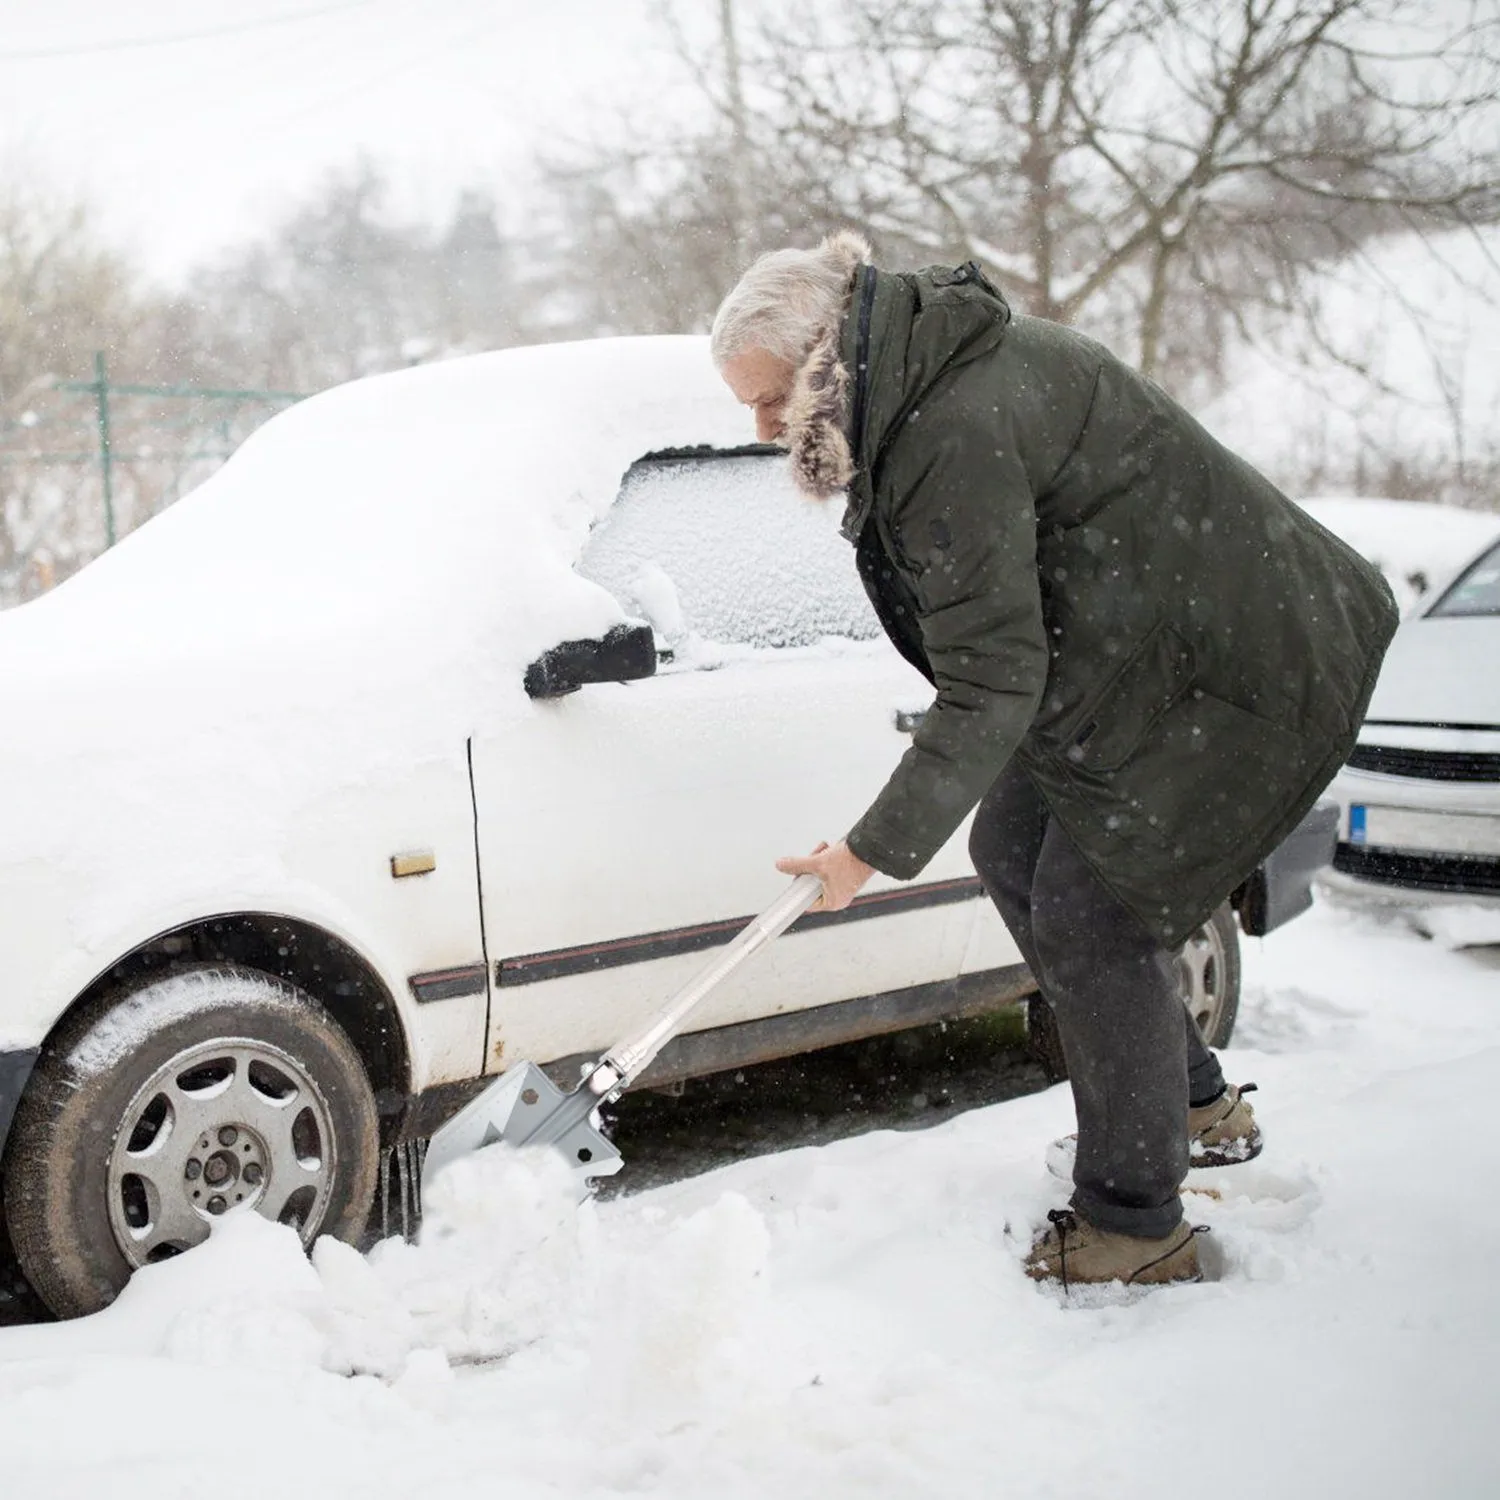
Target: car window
[(1477, 590), (723, 550)]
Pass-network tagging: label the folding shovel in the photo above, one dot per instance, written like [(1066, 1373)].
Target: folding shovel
[(525, 1108)]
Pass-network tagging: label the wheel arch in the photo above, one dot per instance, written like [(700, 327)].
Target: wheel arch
[(324, 966)]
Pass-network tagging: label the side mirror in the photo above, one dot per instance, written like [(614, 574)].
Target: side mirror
[(627, 653)]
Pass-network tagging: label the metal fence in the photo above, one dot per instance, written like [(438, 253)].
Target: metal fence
[(87, 460)]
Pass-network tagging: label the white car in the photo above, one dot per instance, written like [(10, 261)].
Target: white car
[(306, 831), (1420, 797)]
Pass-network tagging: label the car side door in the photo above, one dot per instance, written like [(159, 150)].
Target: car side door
[(627, 827)]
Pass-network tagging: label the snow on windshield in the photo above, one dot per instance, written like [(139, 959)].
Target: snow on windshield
[(724, 550)]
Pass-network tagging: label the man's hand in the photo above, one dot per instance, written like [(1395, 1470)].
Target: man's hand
[(841, 871)]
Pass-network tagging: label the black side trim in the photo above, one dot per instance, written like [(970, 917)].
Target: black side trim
[(884, 903), (557, 963), (15, 1069), (447, 984)]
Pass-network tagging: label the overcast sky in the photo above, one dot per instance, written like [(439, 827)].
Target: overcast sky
[(193, 123), (196, 123)]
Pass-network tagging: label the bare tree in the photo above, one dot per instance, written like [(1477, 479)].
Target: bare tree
[(648, 242), (655, 216), (344, 287), (62, 293), (63, 296), (1152, 169)]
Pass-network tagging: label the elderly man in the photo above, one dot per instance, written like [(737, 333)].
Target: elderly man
[(1147, 664)]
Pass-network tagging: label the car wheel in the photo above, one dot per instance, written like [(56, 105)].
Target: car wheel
[(204, 1093), (1209, 965)]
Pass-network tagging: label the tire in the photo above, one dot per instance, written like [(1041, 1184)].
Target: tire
[(1209, 964), (201, 1093)]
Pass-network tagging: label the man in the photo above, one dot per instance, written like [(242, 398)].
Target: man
[(1147, 664)]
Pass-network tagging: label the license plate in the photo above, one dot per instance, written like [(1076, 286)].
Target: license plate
[(1406, 828)]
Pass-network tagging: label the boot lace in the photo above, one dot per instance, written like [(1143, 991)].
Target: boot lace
[(1065, 1222)]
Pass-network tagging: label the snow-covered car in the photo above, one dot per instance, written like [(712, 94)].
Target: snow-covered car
[(307, 830), (1419, 819)]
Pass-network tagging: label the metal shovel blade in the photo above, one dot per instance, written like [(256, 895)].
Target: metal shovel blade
[(524, 1107)]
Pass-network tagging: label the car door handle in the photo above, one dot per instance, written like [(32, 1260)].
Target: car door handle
[(909, 720)]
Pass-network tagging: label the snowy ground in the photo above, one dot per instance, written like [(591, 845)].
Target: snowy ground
[(851, 1320)]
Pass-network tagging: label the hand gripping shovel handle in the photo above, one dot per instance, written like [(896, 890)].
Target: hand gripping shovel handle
[(627, 1060)]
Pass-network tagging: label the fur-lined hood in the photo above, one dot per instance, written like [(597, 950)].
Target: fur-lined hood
[(817, 414)]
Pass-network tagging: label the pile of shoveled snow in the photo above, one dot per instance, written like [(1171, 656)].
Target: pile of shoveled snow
[(852, 1320)]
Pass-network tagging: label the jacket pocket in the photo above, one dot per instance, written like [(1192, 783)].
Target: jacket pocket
[(1189, 811), (1156, 675)]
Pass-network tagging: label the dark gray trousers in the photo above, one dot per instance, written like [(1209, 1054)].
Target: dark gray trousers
[(1134, 1053)]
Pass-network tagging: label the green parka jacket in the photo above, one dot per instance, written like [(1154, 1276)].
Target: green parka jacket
[(1176, 654)]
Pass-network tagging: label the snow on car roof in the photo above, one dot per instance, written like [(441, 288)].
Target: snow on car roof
[(436, 502)]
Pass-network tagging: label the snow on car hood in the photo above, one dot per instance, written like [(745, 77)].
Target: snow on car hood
[(397, 512), (1441, 671), (390, 540), (361, 586)]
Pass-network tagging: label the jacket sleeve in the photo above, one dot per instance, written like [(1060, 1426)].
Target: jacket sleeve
[(964, 527)]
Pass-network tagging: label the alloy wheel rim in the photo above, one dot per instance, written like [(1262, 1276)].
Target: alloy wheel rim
[(1202, 966), (226, 1126)]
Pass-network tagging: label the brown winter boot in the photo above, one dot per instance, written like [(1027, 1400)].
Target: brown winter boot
[(1077, 1253), (1224, 1132), (1219, 1135)]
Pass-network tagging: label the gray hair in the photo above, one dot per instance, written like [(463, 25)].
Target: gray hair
[(788, 300)]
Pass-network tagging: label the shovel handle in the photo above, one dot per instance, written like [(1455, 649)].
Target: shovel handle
[(629, 1059)]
